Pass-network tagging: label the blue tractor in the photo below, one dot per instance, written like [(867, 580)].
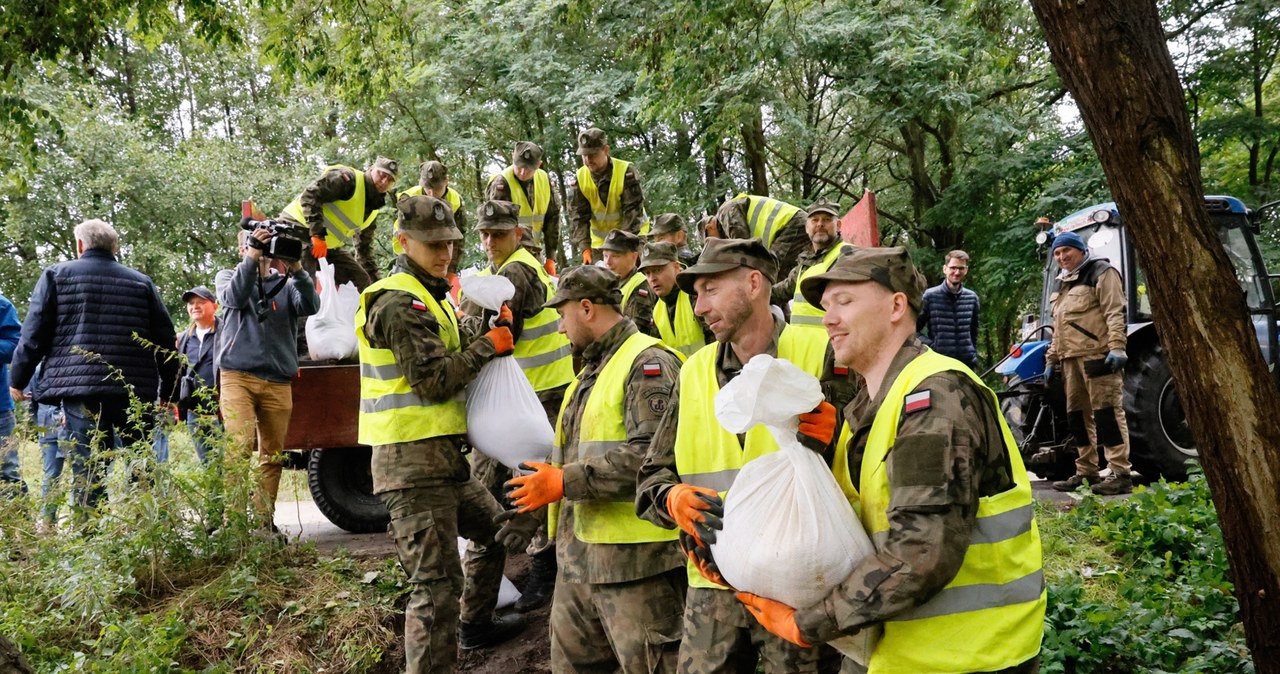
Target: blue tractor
[(1160, 441)]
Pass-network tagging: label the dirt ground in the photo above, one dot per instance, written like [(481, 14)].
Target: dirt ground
[(528, 653)]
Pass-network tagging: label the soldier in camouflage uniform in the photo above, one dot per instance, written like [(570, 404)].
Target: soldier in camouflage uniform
[(948, 477), (626, 587), (622, 256), (731, 222), (415, 365), (433, 181), (322, 203), (596, 176), (659, 265), (820, 228), (732, 279), (669, 228), (526, 164)]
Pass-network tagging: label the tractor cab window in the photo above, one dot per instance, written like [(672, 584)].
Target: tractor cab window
[(1236, 244)]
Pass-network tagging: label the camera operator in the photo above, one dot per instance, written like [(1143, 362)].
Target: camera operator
[(257, 357)]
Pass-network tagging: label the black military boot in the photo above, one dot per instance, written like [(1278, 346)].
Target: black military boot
[(483, 635), (541, 582)]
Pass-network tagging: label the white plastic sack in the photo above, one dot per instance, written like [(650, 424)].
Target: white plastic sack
[(331, 332), (508, 595), (789, 532), (505, 420)]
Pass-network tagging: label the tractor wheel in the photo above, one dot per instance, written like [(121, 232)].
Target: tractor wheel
[(1160, 443), (342, 488), (1019, 412)]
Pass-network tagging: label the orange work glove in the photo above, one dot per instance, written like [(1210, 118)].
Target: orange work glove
[(700, 556), (774, 616), (818, 427), (696, 510), (550, 266), (502, 340), (504, 317), (319, 248), (586, 256), (544, 487)]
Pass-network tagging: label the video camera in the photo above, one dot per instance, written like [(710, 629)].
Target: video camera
[(288, 242)]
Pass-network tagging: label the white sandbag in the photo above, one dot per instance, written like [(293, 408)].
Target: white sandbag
[(331, 332), (508, 595), (789, 532), (505, 420)]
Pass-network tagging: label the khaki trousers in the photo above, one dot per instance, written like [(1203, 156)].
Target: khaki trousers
[(1095, 411), (257, 410)]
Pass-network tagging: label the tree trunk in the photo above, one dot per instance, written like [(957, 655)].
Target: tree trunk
[(753, 153), (1112, 57), (11, 660)]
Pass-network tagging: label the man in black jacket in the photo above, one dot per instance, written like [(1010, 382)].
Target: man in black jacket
[(81, 323), (197, 398)]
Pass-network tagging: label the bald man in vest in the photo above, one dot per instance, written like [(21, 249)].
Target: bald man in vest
[(607, 196), (527, 185), (692, 460), (941, 488), (622, 579)]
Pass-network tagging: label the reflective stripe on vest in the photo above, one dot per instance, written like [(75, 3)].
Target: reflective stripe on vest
[(706, 454), (686, 336), (605, 216), (542, 352), (602, 429), (991, 615), (803, 313), (339, 217), (450, 195), (531, 215), (390, 410), (766, 216), (631, 286)]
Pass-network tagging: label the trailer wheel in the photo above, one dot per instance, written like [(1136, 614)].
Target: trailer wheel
[(342, 488), (1160, 442)]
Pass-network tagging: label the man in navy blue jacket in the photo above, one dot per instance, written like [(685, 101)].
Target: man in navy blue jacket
[(949, 321), (103, 334), (10, 328)]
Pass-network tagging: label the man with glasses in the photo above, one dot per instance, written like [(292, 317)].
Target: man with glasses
[(948, 323)]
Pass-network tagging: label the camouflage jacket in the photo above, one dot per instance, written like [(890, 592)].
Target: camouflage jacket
[(337, 185), (612, 476), (550, 244), (640, 308), (434, 372), (790, 242), (658, 472), (945, 458), (579, 214)]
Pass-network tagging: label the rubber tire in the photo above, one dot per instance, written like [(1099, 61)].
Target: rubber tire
[(1160, 443), (1016, 412), (342, 488)]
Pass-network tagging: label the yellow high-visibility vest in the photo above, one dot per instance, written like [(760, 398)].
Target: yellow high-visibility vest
[(633, 283), (606, 216), (766, 217), (542, 352), (602, 429), (803, 313), (531, 215), (709, 456), (686, 336), (342, 219), (991, 615), (390, 410), (451, 197)]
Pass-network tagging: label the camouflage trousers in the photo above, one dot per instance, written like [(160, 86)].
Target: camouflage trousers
[(640, 620), (345, 267), (721, 637), (426, 523), (1095, 413)]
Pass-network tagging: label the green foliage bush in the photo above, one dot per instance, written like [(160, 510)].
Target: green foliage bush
[(1164, 603)]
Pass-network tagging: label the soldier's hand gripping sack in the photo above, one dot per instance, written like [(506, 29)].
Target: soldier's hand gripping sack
[(505, 421), (331, 332)]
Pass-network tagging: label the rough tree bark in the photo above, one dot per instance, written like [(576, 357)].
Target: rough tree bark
[(1112, 57)]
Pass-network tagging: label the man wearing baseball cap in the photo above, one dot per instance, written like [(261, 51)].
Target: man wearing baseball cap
[(940, 484), (673, 318), (622, 256), (197, 398), (692, 459), (433, 181), (339, 209), (607, 196), (622, 579), (669, 227), (526, 185), (415, 364), (824, 247)]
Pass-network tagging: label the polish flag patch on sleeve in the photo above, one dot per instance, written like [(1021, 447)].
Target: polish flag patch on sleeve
[(921, 400), (419, 305), (651, 369), (840, 370)]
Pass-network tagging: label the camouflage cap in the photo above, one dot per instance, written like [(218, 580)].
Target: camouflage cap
[(621, 241), (667, 223), (592, 141), (433, 174), (823, 206), (527, 155), (720, 255), (587, 282), (890, 267), (391, 166), (426, 219), (498, 215), (202, 292), (657, 254)]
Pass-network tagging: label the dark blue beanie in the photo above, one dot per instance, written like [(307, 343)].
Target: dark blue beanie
[(1068, 239)]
